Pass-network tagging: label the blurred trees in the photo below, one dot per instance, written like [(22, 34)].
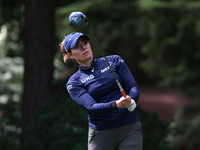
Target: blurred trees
[(38, 64), (173, 50), (157, 39), (11, 72)]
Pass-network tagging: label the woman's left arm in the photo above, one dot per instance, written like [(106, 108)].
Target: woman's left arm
[(128, 82)]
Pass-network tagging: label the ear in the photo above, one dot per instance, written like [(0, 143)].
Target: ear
[(68, 54)]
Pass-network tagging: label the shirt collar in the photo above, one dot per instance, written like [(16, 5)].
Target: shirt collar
[(89, 68)]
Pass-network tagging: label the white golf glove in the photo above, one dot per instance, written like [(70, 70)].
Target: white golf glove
[(132, 107)]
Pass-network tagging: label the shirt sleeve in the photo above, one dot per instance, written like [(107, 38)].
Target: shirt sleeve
[(85, 100), (129, 84)]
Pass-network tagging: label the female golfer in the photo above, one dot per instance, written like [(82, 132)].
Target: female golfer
[(93, 87)]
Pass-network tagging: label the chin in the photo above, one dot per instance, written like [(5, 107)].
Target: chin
[(89, 56)]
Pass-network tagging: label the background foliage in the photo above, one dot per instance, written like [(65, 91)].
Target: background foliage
[(159, 41)]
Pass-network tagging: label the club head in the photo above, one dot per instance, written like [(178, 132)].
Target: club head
[(77, 19)]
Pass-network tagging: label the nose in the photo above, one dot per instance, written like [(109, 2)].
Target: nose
[(82, 46)]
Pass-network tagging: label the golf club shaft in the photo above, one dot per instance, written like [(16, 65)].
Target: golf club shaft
[(117, 81)]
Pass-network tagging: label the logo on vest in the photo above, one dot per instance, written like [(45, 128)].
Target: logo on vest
[(88, 78), (105, 69)]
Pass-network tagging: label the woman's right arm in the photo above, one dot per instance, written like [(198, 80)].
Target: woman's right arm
[(85, 100)]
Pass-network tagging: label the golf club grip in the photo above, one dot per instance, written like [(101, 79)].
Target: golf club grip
[(123, 93)]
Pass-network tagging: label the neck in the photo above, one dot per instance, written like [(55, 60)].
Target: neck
[(87, 63)]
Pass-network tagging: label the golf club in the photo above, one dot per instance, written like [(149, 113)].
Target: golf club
[(77, 20)]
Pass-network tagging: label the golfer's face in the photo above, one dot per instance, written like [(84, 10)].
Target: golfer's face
[(81, 52)]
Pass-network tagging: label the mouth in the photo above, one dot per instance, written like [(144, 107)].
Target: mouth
[(85, 53)]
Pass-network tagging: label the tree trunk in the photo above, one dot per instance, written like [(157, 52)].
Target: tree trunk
[(38, 74)]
